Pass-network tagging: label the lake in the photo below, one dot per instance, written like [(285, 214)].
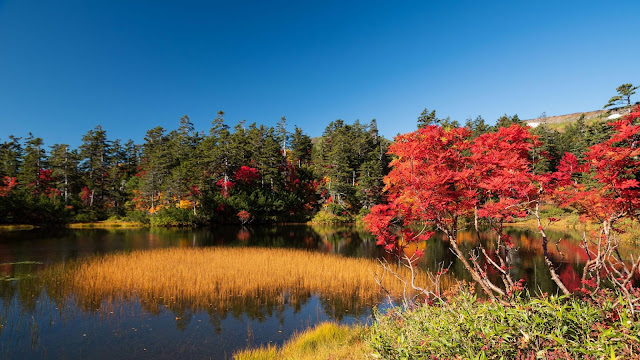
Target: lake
[(42, 319)]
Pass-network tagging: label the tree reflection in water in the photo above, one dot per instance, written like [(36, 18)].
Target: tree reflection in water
[(37, 312)]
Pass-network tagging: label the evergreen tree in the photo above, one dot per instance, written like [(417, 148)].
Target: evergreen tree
[(10, 157), (300, 147), (281, 134), (156, 165), (182, 143), (63, 164), (624, 96), (546, 156), (447, 123), (427, 118), (506, 121), (573, 138), (477, 126), (32, 165), (94, 153)]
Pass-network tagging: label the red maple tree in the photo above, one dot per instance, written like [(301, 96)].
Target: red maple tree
[(607, 192), (246, 175), (441, 176)]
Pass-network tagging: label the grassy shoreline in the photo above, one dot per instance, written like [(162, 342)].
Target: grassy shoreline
[(549, 327), (106, 224), (324, 341), (17, 227)]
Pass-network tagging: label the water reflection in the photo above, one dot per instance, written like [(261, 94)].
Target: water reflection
[(41, 320)]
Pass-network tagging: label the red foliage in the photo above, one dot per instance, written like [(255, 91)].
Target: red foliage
[(85, 193), (244, 216), (7, 184), (44, 175), (226, 186), (246, 175), (613, 192), (441, 175)]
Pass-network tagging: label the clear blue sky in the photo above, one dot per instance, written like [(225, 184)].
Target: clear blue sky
[(69, 65)]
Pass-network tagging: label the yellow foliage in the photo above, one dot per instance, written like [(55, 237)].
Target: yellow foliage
[(185, 204)]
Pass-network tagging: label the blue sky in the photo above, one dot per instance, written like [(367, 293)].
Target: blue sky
[(69, 65)]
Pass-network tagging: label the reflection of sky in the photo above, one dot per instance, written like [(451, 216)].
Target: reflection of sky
[(132, 329), (127, 331)]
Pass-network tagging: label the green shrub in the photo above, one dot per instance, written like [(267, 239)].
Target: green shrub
[(89, 215), (169, 217), (553, 212), (548, 327), (138, 216), (325, 217), (361, 214)]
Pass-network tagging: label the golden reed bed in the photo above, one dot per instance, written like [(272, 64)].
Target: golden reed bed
[(219, 277)]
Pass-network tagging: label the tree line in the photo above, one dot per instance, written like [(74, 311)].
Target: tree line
[(241, 174), (189, 177)]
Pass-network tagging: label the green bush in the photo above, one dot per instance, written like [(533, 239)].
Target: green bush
[(138, 216), (90, 215), (464, 327), (554, 212), (325, 217), (169, 217)]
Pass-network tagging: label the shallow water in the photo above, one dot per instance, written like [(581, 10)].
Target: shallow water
[(37, 322)]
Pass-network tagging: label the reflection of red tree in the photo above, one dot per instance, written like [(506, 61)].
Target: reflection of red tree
[(309, 241), (570, 278), (243, 235)]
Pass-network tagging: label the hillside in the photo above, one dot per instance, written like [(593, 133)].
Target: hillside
[(559, 121)]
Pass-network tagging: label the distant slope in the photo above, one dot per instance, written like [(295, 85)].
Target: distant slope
[(561, 120)]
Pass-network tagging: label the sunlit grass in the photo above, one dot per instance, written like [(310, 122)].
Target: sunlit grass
[(107, 224), (326, 341), (221, 277), (16, 227)]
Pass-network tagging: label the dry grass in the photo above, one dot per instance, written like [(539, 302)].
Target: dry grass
[(326, 341), (16, 227), (107, 224), (220, 277)]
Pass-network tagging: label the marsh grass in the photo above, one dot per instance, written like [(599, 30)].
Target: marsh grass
[(325, 341), (16, 227), (107, 224), (221, 278)]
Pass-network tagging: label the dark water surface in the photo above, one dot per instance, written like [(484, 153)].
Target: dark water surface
[(35, 325)]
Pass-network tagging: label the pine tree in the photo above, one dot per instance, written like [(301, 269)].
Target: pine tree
[(64, 168), (155, 165), (94, 153), (182, 143), (33, 164), (546, 156), (300, 147), (281, 134), (506, 121), (624, 96), (477, 126), (10, 157), (427, 118)]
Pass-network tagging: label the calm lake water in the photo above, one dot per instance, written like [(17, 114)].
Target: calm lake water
[(35, 324)]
